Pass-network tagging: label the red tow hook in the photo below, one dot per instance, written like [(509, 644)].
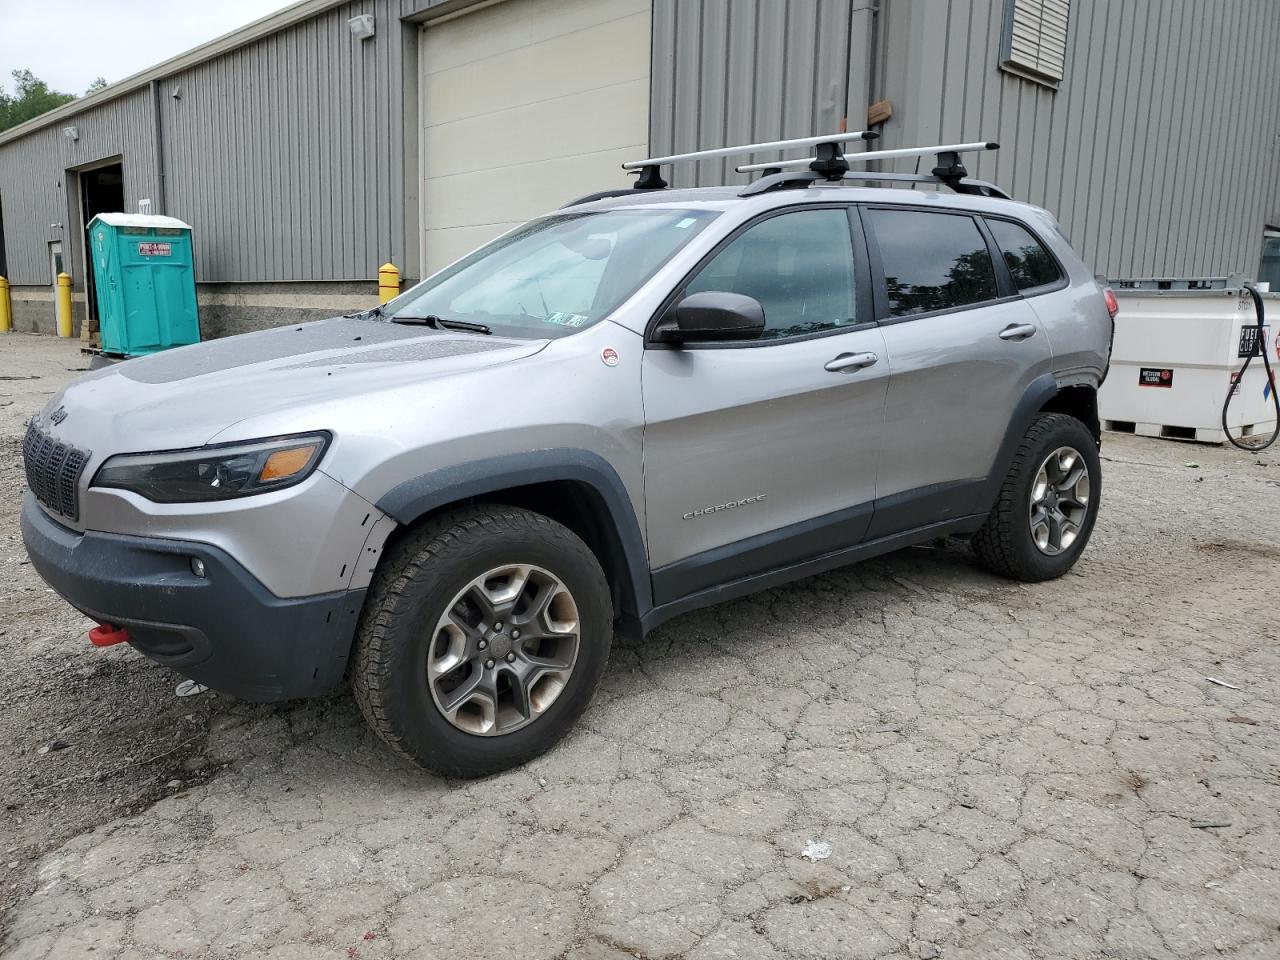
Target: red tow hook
[(108, 635)]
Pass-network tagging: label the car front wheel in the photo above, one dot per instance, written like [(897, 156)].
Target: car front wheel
[(483, 638)]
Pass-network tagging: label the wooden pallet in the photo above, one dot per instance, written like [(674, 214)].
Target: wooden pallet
[(90, 334), (1167, 431), (99, 358)]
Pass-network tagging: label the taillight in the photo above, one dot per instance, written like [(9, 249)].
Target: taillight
[(1113, 306)]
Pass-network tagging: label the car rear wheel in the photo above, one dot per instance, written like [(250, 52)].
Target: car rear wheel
[(1047, 505), (484, 636)]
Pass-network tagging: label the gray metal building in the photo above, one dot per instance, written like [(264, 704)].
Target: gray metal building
[(305, 152)]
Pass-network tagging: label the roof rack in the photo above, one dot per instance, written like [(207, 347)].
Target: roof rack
[(829, 159), (940, 149), (948, 171)]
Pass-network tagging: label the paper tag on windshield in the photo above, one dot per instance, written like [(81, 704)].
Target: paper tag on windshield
[(686, 222), (567, 319)]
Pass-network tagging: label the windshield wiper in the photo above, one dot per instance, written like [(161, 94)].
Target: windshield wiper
[(441, 323), (373, 313)]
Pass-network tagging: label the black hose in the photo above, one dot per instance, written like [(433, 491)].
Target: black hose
[(1259, 346)]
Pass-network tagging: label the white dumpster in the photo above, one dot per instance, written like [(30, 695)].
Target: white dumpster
[(1179, 345)]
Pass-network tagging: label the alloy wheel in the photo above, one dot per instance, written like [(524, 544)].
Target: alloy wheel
[(1059, 501), (503, 651)]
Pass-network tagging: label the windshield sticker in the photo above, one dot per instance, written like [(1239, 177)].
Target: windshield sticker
[(686, 222), (567, 319)]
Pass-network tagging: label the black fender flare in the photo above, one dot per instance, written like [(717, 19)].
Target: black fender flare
[(415, 498), (1038, 392)]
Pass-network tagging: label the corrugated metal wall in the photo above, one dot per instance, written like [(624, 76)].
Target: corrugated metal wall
[(33, 188), (287, 155), (1158, 153), (295, 156), (737, 71)]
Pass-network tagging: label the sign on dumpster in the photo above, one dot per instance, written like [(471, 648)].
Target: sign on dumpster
[(1249, 340), (1155, 377)]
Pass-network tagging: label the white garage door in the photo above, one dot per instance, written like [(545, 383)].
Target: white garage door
[(526, 105)]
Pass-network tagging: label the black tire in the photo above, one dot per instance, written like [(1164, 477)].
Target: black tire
[(1005, 544), (423, 573)]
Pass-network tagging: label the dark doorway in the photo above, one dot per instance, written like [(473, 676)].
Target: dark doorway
[(101, 191)]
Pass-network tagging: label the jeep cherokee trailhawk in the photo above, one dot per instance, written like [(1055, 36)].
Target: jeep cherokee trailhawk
[(648, 401)]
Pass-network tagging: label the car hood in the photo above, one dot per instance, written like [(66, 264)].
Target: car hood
[(187, 396)]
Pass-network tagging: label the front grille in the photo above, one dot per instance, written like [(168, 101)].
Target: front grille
[(53, 471)]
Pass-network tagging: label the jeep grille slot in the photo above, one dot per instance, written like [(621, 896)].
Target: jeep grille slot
[(53, 471)]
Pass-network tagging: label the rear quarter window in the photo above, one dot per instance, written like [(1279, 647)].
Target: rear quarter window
[(1028, 260)]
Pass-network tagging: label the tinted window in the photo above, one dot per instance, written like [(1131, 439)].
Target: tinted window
[(798, 265), (932, 261), (1029, 262)]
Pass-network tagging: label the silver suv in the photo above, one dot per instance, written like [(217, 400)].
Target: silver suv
[(630, 408)]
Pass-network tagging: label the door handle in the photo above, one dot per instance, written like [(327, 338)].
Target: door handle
[(850, 361), (1018, 331)]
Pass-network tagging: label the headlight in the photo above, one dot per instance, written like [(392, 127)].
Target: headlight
[(215, 473)]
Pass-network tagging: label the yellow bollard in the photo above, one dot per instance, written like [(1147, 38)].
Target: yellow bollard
[(388, 282), (6, 307), (64, 305)]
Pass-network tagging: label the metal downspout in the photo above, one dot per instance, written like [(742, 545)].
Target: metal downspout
[(157, 146), (862, 29)]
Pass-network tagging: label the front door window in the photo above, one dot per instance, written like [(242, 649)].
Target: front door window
[(798, 265)]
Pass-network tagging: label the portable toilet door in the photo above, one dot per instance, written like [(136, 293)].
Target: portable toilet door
[(145, 278)]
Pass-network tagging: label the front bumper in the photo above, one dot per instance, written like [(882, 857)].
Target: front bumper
[(225, 629)]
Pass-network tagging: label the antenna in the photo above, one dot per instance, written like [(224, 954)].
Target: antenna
[(830, 159)]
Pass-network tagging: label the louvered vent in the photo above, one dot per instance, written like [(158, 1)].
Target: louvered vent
[(1035, 38)]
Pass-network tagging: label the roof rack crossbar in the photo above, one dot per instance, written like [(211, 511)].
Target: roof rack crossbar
[(945, 153), (795, 179), (830, 156)]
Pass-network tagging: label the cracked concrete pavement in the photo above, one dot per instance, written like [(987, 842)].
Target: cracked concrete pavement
[(1001, 770)]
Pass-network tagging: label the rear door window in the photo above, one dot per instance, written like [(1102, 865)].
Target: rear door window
[(931, 261), (1029, 262)]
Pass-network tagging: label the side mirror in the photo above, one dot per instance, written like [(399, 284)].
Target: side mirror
[(713, 315)]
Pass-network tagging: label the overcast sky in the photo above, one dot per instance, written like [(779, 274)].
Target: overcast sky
[(67, 43)]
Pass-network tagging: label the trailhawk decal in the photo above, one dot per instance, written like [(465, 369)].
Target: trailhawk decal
[(732, 504)]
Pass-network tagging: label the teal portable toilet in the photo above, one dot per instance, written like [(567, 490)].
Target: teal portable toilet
[(146, 285)]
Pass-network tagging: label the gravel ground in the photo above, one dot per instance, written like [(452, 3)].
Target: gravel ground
[(999, 770)]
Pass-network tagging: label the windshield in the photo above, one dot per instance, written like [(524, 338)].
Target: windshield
[(555, 275)]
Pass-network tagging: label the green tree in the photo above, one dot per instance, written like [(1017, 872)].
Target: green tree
[(98, 84), (31, 97)]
